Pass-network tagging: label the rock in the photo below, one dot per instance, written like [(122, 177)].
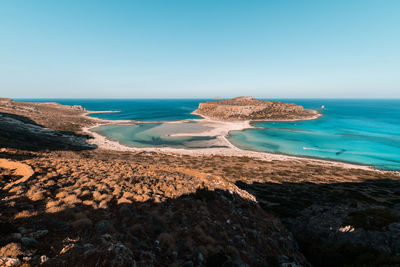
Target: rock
[(116, 254), (9, 262), (29, 241), (66, 248), (106, 238), (40, 233), (77, 107), (43, 259), (12, 250), (347, 228)]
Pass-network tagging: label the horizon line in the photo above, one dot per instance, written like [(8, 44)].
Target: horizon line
[(213, 98)]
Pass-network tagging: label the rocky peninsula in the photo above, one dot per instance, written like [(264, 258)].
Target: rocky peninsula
[(250, 109)]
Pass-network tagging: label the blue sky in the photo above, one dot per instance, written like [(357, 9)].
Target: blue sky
[(197, 49)]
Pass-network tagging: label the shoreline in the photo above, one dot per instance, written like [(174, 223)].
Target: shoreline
[(102, 142), (102, 111), (314, 117)]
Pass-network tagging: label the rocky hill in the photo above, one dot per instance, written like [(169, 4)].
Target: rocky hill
[(249, 108)]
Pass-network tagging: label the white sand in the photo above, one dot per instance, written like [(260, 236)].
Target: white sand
[(219, 128)]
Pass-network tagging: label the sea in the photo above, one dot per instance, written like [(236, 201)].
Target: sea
[(363, 131)]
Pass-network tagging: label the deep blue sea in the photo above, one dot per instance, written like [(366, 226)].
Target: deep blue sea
[(358, 131)]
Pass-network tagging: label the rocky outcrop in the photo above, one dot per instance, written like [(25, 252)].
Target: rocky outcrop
[(50, 115), (23, 133), (249, 108)]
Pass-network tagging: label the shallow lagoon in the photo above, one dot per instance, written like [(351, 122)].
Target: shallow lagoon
[(159, 135)]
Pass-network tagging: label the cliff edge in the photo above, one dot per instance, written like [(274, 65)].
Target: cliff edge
[(249, 108)]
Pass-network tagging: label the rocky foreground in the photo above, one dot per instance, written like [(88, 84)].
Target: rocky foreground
[(249, 108), (65, 203)]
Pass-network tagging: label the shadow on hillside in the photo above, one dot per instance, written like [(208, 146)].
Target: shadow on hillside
[(314, 213), (19, 132), (207, 228)]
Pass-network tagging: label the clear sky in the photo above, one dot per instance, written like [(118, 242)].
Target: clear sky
[(200, 48)]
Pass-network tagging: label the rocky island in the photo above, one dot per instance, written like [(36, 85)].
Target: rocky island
[(249, 108)]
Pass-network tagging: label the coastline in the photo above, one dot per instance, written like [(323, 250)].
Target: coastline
[(314, 117), (102, 111), (103, 142), (86, 186)]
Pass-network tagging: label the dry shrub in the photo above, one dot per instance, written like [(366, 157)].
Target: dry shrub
[(62, 194), (54, 206), (124, 200), (35, 194), (72, 200), (11, 250), (128, 195), (16, 189), (25, 214)]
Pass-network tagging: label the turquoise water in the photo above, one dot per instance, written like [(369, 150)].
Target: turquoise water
[(364, 131), (359, 131), (159, 135), (136, 109)]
